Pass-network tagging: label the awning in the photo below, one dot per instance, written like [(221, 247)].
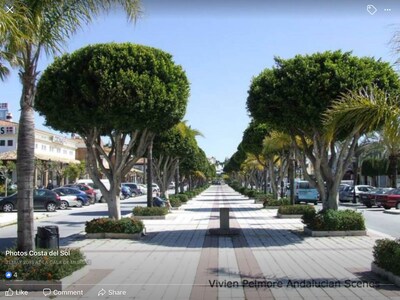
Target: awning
[(56, 159), (12, 155)]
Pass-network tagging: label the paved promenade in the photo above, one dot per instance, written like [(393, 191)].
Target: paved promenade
[(270, 258)]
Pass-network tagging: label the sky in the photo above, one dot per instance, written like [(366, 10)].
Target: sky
[(222, 45)]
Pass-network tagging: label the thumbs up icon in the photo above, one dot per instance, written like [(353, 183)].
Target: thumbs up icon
[(9, 293)]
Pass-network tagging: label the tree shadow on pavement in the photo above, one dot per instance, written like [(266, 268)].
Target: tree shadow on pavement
[(255, 238)]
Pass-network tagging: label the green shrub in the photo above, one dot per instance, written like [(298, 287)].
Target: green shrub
[(182, 197), (334, 220), (295, 209), (124, 225), (251, 193), (149, 211), (270, 201), (190, 194), (387, 255), (45, 266), (175, 202), (242, 190)]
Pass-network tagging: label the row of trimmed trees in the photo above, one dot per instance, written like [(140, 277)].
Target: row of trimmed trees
[(126, 93), (316, 109)]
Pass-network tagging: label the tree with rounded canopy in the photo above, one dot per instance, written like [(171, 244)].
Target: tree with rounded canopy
[(124, 92), (35, 28), (293, 96), (196, 165), (170, 148)]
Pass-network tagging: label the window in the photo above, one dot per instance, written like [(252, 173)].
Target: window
[(10, 143), (2, 142), (9, 130), (44, 147)]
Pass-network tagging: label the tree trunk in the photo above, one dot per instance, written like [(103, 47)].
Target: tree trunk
[(265, 185), (273, 180), (26, 155), (392, 170), (177, 180), (150, 175), (113, 203), (182, 184), (25, 171), (291, 179)]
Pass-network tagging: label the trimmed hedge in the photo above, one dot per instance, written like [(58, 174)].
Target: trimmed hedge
[(175, 202), (387, 255), (276, 202), (124, 225), (43, 267), (149, 211), (334, 220), (297, 209)]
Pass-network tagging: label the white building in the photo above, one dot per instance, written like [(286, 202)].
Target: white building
[(50, 148)]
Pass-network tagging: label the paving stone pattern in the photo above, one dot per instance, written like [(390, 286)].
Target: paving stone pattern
[(179, 259)]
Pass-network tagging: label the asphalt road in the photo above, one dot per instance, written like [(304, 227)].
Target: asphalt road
[(375, 219), (70, 221)]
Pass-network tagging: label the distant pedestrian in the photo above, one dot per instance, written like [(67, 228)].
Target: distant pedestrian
[(50, 185)]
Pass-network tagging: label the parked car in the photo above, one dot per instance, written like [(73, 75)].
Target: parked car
[(390, 199), (42, 199), (89, 182), (156, 188), (85, 188), (80, 195), (142, 188), (369, 198), (135, 188), (68, 200), (347, 194)]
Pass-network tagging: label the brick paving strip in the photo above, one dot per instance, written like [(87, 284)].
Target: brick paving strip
[(208, 261), (208, 269)]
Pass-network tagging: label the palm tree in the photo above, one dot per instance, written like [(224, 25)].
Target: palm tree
[(370, 110), (45, 29)]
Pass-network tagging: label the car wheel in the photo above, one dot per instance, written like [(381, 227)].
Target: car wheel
[(102, 200), (51, 206), (386, 207), (64, 204), (81, 202), (398, 205), (368, 205), (8, 207), (92, 200)]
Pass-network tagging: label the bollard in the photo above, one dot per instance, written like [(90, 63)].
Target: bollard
[(224, 218)]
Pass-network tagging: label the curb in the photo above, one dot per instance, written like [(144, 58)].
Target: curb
[(386, 274), (391, 212), (315, 233), (41, 216)]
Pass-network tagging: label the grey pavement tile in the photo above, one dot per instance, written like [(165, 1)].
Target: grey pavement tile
[(164, 265)]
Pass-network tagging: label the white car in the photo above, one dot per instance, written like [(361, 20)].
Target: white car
[(68, 201), (156, 188), (142, 188)]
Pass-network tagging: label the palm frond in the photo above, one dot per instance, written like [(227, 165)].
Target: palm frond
[(366, 110)]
